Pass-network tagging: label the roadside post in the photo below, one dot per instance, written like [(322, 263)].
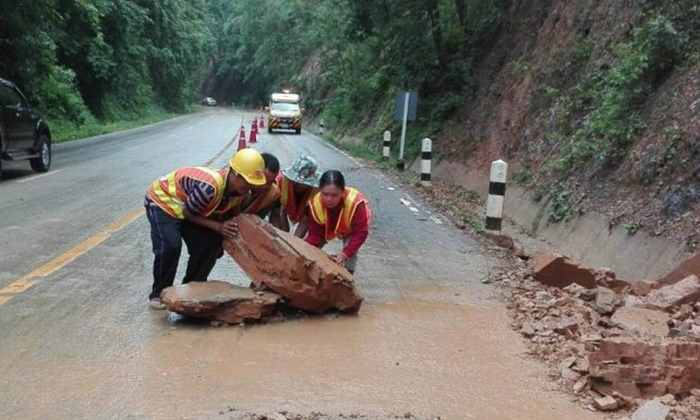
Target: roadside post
[(386, 150), (406, 107), (321, 124), (426, 156), (497, 192)]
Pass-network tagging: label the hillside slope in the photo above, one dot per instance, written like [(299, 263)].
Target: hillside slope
[(635, 160)]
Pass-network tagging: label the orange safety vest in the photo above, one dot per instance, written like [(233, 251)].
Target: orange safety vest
[(168, 192), (225, 206), (264, 200), (294, 210), (351, 199)]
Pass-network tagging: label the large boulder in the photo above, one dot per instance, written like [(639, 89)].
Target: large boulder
[(287, 265), (219, 301)]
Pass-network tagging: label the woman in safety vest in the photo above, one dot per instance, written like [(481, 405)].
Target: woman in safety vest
[(191, 204), (297, 184), (340, 212)]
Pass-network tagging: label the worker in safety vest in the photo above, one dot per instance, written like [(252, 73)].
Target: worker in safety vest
[(263, 199), (194, 204), (297, 184), (340, 212)]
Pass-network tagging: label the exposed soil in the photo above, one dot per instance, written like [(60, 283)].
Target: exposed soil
[(514, 116)]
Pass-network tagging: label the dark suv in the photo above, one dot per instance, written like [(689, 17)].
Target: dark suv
[(24, 135)]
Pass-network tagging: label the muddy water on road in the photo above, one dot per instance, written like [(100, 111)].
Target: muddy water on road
[(427, 357), (433, 353)]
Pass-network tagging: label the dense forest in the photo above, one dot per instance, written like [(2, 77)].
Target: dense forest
[(94, 61), (91, 62)]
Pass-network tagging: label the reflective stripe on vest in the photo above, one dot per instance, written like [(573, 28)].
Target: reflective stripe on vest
[(228, 205), (294, 210), (168, 193), (351, 199)]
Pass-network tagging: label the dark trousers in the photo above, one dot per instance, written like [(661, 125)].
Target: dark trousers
[(167, 233)]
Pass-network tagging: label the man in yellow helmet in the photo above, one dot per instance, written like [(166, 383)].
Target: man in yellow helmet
[(194, 205)]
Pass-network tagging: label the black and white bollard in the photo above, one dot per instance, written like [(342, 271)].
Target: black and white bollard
[(497, 192), (426, 156), (386, 150), (320, 126)]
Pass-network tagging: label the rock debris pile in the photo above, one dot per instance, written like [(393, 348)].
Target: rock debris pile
[(285, 272), (615, 344)]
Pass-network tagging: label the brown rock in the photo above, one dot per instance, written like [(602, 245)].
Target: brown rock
[(642, 287), (580, 292), (301, 273), (643, 370), (219, 301), (606, 277), (580, 385), (501, 240), (686, 268), (560, 271), (527, 329), (606, 300), (667, 297), (641, 321)]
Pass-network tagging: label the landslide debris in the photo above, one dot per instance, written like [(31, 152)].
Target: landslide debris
[(613, 344)]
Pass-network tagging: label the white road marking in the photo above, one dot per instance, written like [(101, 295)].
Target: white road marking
[(39, 176), (413, 209), (436, 220), (391, 188), (405, 202), (342, 152), (135, 147)]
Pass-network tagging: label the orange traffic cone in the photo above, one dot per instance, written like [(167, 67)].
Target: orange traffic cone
[(241, 139), (262, 122), (254, 131)]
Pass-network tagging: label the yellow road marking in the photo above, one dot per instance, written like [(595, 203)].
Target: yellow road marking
[(27, 281), (24, 283)]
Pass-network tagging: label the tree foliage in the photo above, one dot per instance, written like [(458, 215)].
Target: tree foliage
[(111, 59), (118, 59)]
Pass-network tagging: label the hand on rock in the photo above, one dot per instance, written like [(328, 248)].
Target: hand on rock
[(339, 258), (229, 229)]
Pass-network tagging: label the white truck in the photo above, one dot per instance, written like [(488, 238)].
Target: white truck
[(284, 112)]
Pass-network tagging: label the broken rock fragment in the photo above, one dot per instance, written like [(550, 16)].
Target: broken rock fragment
[(668, 297), (606, 403), (299, 272), (686, 268), (651, 410), (642, 370), (560, 271), (641, 321), (219, 301), (606, 300)]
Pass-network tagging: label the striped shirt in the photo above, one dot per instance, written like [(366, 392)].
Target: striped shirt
[(200, 194)]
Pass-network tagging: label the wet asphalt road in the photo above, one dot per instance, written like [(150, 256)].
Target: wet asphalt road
[(77, 339)]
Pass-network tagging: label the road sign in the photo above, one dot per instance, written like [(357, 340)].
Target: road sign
[(412, 106), (406, 105)]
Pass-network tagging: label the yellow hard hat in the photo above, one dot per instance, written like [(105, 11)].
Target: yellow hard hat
[(249, 164)]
